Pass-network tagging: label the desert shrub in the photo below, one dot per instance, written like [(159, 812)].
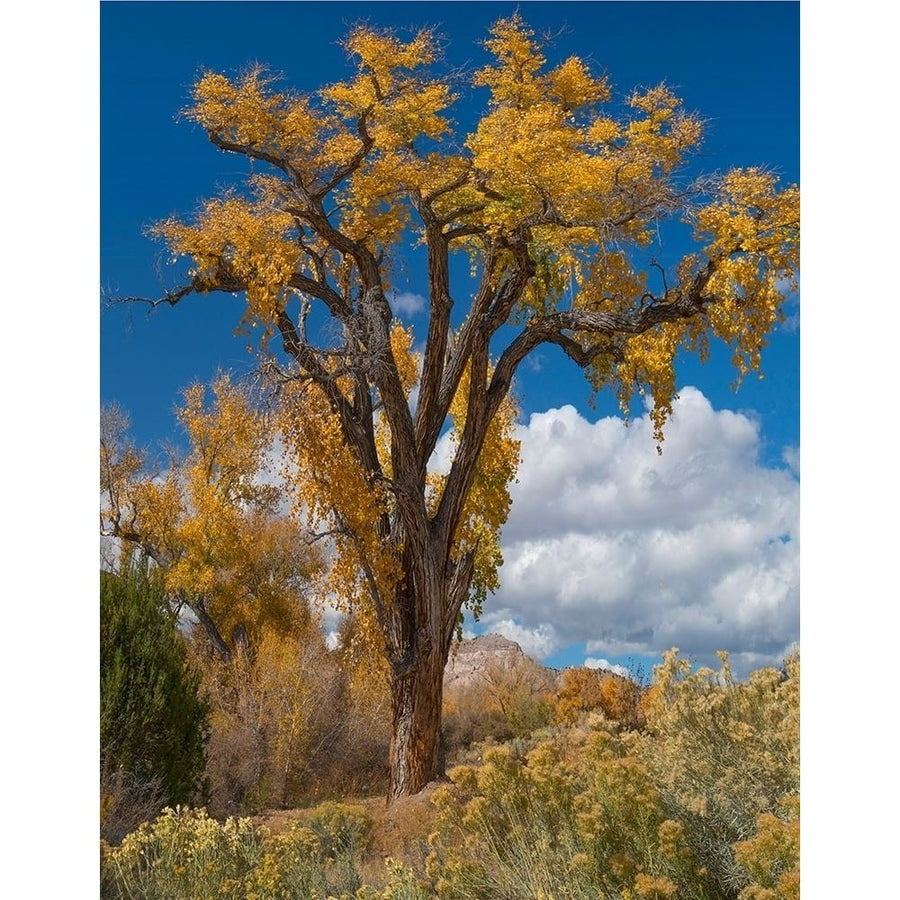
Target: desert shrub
[(703, 804), (291, 867), (301, 862), (771, 858), (183, 855), (723, 754), (401, 884), (186, 855), (579, 817), (152, 718), (342, 827)]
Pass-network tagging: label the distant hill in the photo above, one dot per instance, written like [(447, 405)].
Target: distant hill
[(471, 658)]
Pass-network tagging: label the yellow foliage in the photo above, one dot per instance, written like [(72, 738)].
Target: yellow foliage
[(582, 690), (772, 859), (242, 242), (592, 812), (276, 708), (211, 521), (330, 487), (728, 752), (550, 151), (488, 502)]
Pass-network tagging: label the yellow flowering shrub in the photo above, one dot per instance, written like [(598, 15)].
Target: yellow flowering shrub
[(726, 757), (772, 857), (184, 855), (577, 816), (703, 805)]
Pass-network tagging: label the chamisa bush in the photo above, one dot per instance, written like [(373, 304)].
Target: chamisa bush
[(703, 804), (186, 855), (577, 817), (725, 756)]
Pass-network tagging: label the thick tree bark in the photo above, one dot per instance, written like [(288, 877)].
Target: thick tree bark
[(421, 628), (417, 755)]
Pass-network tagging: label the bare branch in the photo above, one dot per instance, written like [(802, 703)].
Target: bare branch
[(170, 297)]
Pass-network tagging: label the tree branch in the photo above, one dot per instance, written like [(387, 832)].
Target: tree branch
[(557, 327)]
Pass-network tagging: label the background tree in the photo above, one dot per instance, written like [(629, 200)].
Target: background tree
[(276, 720), (210, 520), (582, 690), (152, 718), (503, 702), (555, 196)]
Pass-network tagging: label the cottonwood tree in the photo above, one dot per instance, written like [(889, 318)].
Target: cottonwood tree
[(556, 197)]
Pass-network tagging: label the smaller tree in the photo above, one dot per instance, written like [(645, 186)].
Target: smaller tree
[(582, 690), (152, 719), (276, 718), (211, 521)]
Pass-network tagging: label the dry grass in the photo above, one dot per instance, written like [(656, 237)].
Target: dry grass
[(399, 830), (126, 802)]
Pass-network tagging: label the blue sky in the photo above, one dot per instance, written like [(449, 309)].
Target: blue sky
[(698, 549)]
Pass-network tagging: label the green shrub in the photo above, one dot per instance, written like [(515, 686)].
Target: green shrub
[(152, 719)]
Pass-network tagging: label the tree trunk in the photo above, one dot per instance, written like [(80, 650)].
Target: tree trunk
[(417, 755)]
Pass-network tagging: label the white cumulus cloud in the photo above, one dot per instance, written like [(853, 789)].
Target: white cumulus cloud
[(407, 303), (606, 666), (630, 552)]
